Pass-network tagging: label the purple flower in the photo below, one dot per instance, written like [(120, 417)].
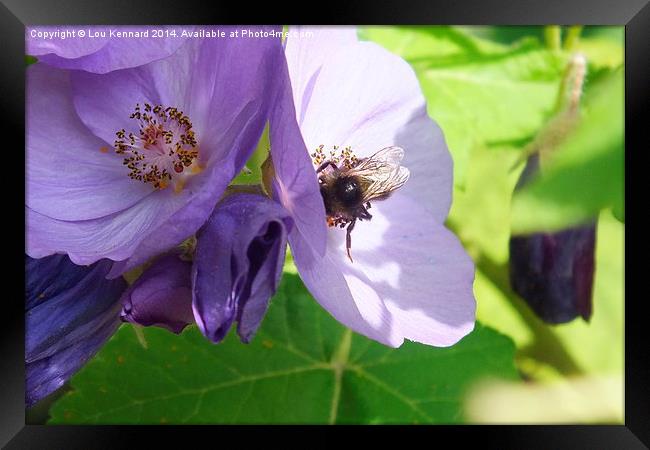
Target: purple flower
[(236, 268), (411, 278), (101, 49), (70, 311), (128, 164), (553, 272)]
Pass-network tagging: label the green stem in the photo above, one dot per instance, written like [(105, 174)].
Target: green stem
[(338, 362), (342, 352), (552, 34), (572, 37), (140, 335)]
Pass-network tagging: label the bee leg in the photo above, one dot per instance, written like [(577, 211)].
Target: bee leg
[(367, 205), (324, 165), (364, 214), (348, 238)]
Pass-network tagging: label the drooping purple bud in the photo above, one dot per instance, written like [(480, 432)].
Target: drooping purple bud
[(238, 264), (553, 272), (161, 296), (70, 311)]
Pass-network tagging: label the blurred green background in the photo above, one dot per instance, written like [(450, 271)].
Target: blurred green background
[(492, 90)]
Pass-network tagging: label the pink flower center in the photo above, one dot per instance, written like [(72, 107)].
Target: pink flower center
[(164, 152)]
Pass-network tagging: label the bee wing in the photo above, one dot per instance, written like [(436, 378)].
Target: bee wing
[(381, 173), (383, 160)]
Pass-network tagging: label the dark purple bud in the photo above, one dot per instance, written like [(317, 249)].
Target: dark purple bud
[(553, 272), (238, 264), (161, 296), (70, 311)]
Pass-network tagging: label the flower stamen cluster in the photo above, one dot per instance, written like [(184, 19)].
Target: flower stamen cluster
[(338, 156), (165, 146)]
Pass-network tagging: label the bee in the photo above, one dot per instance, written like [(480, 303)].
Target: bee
[(348, 190)]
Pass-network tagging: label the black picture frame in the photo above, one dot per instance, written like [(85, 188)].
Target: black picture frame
[(16, 14)]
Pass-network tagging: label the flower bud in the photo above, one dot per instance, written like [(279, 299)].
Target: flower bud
[(553, 272), (161, 296), (237, 265)]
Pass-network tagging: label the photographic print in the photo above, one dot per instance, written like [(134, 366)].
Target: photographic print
[(324, 224)]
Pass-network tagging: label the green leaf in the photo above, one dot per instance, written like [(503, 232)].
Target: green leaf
[(585, 173), (480, 93), (601, 53), (603, 46), (302, 367), (508, 34)]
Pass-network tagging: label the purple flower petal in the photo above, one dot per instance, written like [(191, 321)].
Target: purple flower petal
[(368, 98), (226, 84), (295, 183), (306, 55), (425, 276), (44, 376), (325, 280), (161, 296), (105, 102), (410, 277), (105, 51), (71, 175), (238, 264), (41, 284), (70, 312), (64, 48), (116, 236)]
